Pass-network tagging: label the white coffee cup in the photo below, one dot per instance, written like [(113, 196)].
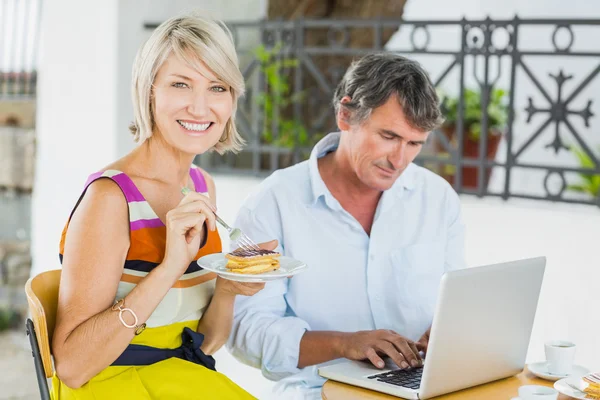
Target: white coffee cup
[(536, 392), (559, 356)]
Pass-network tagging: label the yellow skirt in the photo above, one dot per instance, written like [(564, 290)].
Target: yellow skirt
[(173, 378)]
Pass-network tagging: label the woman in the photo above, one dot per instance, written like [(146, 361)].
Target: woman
[(137, 318)]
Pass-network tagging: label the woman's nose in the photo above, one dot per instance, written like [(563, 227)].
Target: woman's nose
[(198, 106)]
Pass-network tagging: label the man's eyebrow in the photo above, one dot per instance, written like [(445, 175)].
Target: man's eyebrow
[(392, 133)]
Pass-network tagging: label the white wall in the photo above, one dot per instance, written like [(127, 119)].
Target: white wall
[(530, 38), (76, 113)]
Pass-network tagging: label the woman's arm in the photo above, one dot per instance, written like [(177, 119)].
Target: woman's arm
[(89, 336), (216, 321)]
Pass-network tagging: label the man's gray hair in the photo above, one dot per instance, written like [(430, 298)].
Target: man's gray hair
[(371, 80)]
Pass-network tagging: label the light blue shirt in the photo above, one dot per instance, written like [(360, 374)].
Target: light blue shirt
[(353, 282)]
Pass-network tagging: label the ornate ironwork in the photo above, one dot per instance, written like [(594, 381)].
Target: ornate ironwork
[(486, 55)]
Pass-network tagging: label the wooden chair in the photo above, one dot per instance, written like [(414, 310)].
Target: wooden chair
[(42, 296)]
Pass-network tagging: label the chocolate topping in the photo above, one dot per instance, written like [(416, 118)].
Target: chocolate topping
[(251, 253)]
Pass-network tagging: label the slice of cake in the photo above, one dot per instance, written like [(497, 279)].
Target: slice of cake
[(252, 261), (591, 385)]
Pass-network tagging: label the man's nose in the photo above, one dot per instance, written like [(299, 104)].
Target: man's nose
[(397, 156)]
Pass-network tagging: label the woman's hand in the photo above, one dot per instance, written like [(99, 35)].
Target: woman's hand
[(185, 229), (227, 287)]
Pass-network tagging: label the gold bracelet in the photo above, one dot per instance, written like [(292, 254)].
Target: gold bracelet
[(120, 307)]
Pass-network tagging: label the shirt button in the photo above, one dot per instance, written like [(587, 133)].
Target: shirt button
[(372, 257)]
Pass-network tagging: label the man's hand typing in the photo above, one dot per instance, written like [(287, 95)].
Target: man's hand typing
[(373, 345)]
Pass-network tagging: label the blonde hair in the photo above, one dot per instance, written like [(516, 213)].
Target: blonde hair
[(192, 38)]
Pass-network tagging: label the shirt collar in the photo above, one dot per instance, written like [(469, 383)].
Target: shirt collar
[(330, 143)]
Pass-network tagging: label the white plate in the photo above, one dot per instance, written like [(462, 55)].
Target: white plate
[(567, 390), (540, 369), (216, 263)]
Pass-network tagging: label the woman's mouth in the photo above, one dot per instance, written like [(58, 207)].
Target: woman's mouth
[(195, 128)]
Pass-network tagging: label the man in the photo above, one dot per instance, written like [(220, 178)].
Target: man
[(376, 231)]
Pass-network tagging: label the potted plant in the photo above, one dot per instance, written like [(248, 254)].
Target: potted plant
[(590, 184), (497, 116), (278, 99)]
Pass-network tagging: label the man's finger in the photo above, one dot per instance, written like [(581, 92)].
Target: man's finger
[(374, 358), (410, 353), (271, 245), (397, 357), (415, 349)]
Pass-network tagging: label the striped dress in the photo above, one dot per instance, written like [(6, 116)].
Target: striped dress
[(178, 370)]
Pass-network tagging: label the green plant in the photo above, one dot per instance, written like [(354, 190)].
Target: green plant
[(8, 319), (497, 111), (590, 183), (277, 98), (444, 166)]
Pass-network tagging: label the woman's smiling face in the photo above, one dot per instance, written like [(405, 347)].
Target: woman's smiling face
[(191, 107)]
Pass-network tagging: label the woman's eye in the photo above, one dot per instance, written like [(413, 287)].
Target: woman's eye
[(218, 89), (180, 85)]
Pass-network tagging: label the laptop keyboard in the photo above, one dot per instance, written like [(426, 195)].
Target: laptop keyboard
[(410, 378)]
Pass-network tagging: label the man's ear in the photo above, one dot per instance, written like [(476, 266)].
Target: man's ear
[(343, 115)]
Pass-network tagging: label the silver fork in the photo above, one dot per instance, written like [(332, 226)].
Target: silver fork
[(235, 234)]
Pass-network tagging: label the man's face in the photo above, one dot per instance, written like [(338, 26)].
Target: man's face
[(382, 146)]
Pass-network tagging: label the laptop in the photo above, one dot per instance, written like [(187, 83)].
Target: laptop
[(480, 333)]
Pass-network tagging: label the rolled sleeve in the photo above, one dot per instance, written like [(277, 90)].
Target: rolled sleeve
[(268, 341), (262, 335)]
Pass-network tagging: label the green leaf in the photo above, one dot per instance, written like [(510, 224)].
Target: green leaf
[(584, 159), (473, 114), (590, 183)]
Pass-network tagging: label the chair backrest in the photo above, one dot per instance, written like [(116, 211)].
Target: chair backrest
[(42, 296)]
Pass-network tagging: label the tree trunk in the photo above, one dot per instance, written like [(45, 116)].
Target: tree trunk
[(338, 9), (316, 113)]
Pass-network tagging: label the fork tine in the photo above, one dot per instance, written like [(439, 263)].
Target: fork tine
[(247, 244), (247, 238), (242, 240), (250, 242), (243, 245)]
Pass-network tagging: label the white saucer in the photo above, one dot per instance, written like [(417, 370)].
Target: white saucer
[(567, 390), (540, 369)]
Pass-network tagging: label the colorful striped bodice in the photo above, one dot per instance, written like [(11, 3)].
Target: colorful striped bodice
[(191, 294)]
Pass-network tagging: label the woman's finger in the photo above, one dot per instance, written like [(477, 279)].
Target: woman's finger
[(188, 224), (194, 196), (199, 207)]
